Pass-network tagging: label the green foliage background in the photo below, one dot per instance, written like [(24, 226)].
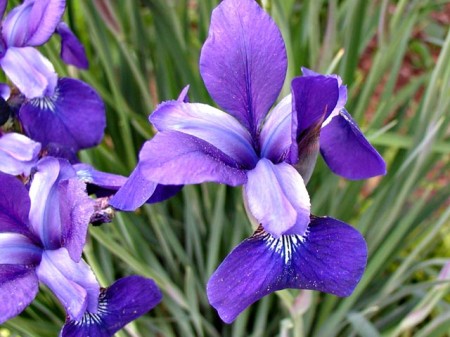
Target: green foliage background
[(395, 58)]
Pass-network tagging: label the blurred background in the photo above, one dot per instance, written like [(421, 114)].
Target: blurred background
[(394, 57)]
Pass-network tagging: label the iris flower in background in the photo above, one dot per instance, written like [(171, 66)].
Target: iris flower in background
[(243, 65), (42, 235), (61, 111)]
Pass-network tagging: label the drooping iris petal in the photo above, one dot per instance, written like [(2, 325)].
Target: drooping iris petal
[(33, 22), (277, 197), (73, 116), (209, 124), (276, 134), (175, 158), (330, 258), (76, 209), (313, 99), (45, 216), (243, 67), (134, 193), (72, 51), (14, 205), (18, 153), (31, 72), (18, 287), (18, 249), (347, 152), (73, 283), (90, 175), (137, 190), (121, 303)]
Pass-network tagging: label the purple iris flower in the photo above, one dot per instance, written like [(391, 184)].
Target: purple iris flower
[(27, 26), (42, 235), (63, 111), (121, 303), (243, 65)]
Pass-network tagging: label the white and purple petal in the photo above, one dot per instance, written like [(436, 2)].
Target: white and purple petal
[(212, 125), (72, 51), (347, 152), (176, 158), (276, 134), (76, 209), (277, 198), (31, 72), (18, 288), (121, 303), (73, 283), (243, 61), (18, 249), (18, 153), (45, 214), (331, 257), (33, 22), (74, 116)]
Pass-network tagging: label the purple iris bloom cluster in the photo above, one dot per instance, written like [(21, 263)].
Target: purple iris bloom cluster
[(270, 153), (45, 209)]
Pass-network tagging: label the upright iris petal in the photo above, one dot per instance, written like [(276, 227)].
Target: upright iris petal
[(342, 144), (72, 51), (243, 68)]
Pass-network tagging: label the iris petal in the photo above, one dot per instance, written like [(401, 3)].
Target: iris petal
[(347, 152), (313, 99), (18, 249), (121, 303), (72, 51), (74, 116), (331, 258), (33, 22), (276, 134), (18, 287), (209, 124), (73, 283), (138, 190), (243, 68), (31, 72), (76, 209), (14, 205), (18, 153), (175, 158), (277, 197)]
